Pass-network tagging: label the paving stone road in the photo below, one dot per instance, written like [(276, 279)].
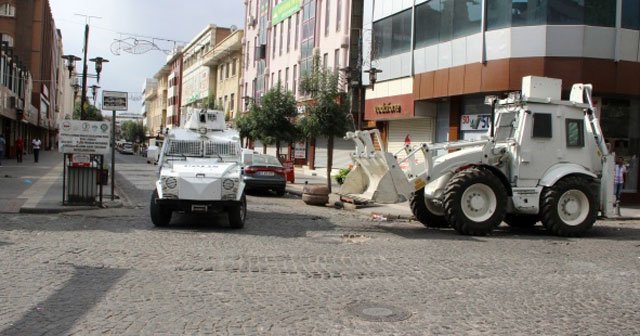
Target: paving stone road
[(302, 270)]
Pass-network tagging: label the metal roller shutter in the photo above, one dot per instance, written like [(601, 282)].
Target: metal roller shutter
[(342, 150), (420, 130)]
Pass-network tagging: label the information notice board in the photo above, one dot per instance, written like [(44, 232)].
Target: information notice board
[(84, 137)]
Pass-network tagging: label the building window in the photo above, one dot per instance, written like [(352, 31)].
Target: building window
[(273, 47), (327, 16), (392, 35), (339, 15), (221, 72), (325, 60), (232, 102), (279, 78), (233, 66), (220, 103), (575, 132), (295, 79), (631, 14), (7, 9), (247, 52), (281, 41), (288, 34), (286, 79), (443, 20), (336, 60), (295, 39), (515, 13), (226, 70), (7, 38)]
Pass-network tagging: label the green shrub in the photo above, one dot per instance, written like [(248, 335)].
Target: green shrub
[(342, 174)]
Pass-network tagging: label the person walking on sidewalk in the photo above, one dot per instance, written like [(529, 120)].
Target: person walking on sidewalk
[(620, 171), (3, 145), (19, 148), (36, 143)]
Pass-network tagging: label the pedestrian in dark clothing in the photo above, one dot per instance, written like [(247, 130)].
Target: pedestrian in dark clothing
[(19, 149), (36, 143)]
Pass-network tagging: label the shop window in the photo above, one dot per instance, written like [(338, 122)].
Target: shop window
[(631, 14), (7, 9), (575, 132), (542, 125), (392, 35)]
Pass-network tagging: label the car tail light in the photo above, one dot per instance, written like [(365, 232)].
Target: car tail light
[(279, 171), (249, 170)]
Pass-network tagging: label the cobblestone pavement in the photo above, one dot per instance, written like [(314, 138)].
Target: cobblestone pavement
[(302, 270)]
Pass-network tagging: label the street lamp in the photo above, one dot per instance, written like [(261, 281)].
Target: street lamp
[(99, 61), (94, 92), (373, 76), (76, 89), (71, 60)]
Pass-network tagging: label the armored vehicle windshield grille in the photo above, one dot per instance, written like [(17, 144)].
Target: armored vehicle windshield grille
[(185, 147), (221, 148)]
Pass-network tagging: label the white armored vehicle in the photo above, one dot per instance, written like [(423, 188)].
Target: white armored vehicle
[(200, 170), (544, 159)]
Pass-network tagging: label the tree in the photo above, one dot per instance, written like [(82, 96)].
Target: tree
[(272, 120), (328, 112), (132, 131), (91, 112)]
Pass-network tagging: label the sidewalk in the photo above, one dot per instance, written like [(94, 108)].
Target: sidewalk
[(392, 211), (30, 187)]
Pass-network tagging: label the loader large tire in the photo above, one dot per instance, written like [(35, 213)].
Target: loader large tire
[(521, 221), (569, 207), (475, 201), (421, 211)]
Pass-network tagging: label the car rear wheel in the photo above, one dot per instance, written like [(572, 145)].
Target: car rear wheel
[(569, 207)]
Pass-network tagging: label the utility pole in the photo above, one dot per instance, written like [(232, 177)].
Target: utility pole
[(83, 97)]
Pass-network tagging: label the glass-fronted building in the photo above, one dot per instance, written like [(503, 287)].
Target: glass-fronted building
[(440, 58)]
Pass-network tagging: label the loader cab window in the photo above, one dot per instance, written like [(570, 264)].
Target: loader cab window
[(542, 125), (575, 132)]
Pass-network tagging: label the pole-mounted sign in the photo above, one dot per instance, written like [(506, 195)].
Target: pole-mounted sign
[(115, 100)]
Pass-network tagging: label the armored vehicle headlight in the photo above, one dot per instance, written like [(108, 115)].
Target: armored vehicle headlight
[(171, 182), (228, 184)]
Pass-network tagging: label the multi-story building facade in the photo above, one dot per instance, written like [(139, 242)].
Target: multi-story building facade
[(439, 58), (281, 39), (174, 82), (31, 69), (150, 108), (226, 58), (198, 77)]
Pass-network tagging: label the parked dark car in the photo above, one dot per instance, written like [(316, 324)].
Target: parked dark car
[(265, 172)]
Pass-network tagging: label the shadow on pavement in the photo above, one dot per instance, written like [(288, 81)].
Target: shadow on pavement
[(538, 232), (59, 312), (258, 223)]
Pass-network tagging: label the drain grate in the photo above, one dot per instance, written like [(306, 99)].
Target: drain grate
[(376, 312)]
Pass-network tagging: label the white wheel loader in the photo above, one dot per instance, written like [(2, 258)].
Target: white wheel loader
[(544, 159), (200, 170)]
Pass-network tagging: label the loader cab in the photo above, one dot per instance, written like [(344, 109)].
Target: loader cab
[(549, 132)]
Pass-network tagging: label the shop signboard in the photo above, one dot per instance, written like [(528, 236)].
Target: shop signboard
[(300, 151), (284, 10), (475, 122), (85, 137)]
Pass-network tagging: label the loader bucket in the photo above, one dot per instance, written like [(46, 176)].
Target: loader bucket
[(376, 178)]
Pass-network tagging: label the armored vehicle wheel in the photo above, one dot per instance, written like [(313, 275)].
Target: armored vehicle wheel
[(427, 213), (159, 216), (521, 221), (569, 207), (474, 201), (237, 214)]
